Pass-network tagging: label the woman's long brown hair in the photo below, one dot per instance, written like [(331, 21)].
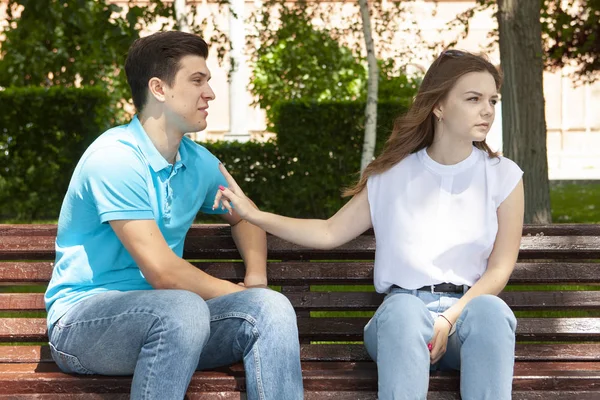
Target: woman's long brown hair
[(414, 130)]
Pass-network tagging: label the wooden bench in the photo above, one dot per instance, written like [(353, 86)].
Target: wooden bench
[(556, 357)]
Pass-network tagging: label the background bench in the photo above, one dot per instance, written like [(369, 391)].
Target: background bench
[(558, 357)]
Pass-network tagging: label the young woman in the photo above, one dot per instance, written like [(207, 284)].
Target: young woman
[(447, 213)]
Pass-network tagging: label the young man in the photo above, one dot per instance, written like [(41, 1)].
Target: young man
[(121, 300)]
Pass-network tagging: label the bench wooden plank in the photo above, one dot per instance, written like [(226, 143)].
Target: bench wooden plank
[(351, 352), (367, 301), (223, 230), (309, 395), (318, 376), (315, 273), (363, 248), (331, 329)]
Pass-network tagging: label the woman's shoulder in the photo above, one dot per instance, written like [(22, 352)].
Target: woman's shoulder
[(502, 165)]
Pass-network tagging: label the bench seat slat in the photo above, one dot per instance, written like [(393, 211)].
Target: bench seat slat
[(359, 301), (351, 352), (328, 329), (318, 376)]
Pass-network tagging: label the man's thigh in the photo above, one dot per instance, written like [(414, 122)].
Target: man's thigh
[(104, 334)]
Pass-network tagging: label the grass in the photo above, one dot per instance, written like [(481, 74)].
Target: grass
[(575, 203)]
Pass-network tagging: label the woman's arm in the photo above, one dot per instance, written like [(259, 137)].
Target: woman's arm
[(500, 265), (349, 222), (504, 255)]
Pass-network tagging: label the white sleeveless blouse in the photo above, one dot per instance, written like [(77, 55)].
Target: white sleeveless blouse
[(437, 223)]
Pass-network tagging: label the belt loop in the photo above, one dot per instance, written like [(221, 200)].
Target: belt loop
[(432, 287), (465, 288)]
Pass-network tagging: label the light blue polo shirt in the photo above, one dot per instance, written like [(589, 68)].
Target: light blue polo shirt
[(123, 176)]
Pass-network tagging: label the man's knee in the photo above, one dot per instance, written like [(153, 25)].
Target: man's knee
[(187, 318), (274, 311)]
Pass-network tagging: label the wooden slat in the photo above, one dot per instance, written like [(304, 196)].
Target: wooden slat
[(223, 229), (45, 378), (217, 246), (326, 329), (578, 329), (311, 395), (352, 352), (365, 301), (562, 229), (315, 273)]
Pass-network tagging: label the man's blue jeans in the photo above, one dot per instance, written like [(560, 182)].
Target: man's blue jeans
[(482, 346), (163, 336)]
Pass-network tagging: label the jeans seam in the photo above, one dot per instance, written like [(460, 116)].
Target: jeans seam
[(156, 353), (246, 317), (255, 352), (58, 324), (258, 374)]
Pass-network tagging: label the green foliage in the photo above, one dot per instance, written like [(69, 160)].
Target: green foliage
[(259, 168), (302, 63), (394, 85), (571, 35), (72, 43), (43, 132), (316, 155)]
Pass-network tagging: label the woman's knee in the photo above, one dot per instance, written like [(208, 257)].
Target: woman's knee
[(488, 315)]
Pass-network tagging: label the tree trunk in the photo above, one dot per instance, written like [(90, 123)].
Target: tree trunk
[(181, 15), (372, 89), (523, 119)]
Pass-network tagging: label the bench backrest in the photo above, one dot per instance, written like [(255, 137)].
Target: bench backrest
[(565, 255)]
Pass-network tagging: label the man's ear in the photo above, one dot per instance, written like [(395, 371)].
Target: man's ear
[(156, 88)]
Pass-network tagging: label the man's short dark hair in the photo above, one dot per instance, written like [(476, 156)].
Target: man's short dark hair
[(158, 55)]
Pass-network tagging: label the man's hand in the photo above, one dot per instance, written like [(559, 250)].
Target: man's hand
[(441, 329)]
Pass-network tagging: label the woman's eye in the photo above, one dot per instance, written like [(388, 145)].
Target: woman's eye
[(472, 98), (494, 102)]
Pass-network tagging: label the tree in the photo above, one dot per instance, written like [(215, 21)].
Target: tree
[(523, 119), (372, 89), (570, 31), (303, 63)]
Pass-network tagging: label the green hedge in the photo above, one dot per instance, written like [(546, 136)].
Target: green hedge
[(43, 132), (317, 153)]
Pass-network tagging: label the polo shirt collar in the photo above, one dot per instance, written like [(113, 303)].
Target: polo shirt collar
[(156, 160)]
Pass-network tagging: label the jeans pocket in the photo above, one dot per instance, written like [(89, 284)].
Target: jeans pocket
[(68, 363)]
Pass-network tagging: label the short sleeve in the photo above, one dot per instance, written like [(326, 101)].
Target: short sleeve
[(509, 174), (214, 178), (116, 180)]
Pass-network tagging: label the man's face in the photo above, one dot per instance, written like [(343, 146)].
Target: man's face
[(186, 101)]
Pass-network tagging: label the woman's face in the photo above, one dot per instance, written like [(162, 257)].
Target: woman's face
[(468, 110)]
